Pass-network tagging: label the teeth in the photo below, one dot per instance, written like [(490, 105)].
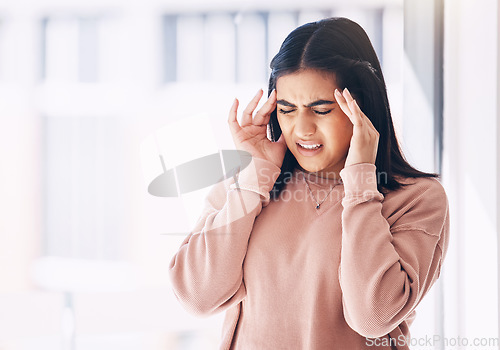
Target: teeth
[(310, 146)]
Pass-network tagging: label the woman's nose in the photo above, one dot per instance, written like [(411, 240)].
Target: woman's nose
[(304, 125)]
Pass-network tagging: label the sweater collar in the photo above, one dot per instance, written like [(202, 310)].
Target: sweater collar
[(315, 179)]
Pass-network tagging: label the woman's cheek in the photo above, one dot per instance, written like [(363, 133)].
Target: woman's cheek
[(284, 130)]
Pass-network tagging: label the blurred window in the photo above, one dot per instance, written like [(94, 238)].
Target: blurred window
[(238, 47)]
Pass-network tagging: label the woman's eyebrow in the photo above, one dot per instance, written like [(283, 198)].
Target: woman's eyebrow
[(286, 103), (320, 102), (312, 104)]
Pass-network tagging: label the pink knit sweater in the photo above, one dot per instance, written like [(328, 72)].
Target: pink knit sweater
[(291, 276)]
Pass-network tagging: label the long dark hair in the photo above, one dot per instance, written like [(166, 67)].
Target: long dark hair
[(340, 46)]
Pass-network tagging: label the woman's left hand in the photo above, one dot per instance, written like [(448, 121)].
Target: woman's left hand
[(364, 141)]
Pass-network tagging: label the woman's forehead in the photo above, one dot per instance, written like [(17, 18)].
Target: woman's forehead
[(306, 84)]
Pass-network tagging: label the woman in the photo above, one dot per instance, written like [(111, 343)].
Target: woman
[(329, 239)]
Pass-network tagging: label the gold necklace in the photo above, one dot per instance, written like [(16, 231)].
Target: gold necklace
[(318, 204)]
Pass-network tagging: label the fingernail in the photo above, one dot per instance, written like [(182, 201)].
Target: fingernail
[(337, 92)]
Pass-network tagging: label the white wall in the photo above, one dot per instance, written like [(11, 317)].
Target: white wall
[(470, 167)]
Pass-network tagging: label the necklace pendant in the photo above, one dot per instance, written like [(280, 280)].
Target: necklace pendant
[(317, 206)]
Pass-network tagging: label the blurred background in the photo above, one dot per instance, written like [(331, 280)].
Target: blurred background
[(88, 94)]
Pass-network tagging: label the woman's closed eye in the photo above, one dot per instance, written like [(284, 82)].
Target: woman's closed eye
[(323, 112), (286, 111), (320, 112)]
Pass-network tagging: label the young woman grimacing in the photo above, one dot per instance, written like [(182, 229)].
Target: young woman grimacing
[(329, 239)]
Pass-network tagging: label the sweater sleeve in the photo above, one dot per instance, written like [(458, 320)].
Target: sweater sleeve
[(385, 270), (206, 272)]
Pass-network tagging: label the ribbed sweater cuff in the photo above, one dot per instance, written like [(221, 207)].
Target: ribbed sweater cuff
[(259, 176), (360, 183)]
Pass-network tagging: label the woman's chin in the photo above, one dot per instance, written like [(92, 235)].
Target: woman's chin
[(310, 168), (323, 171)]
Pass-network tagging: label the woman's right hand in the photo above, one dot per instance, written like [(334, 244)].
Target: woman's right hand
[(251, 134)]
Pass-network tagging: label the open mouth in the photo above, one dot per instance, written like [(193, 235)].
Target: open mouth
[(310, 147)]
